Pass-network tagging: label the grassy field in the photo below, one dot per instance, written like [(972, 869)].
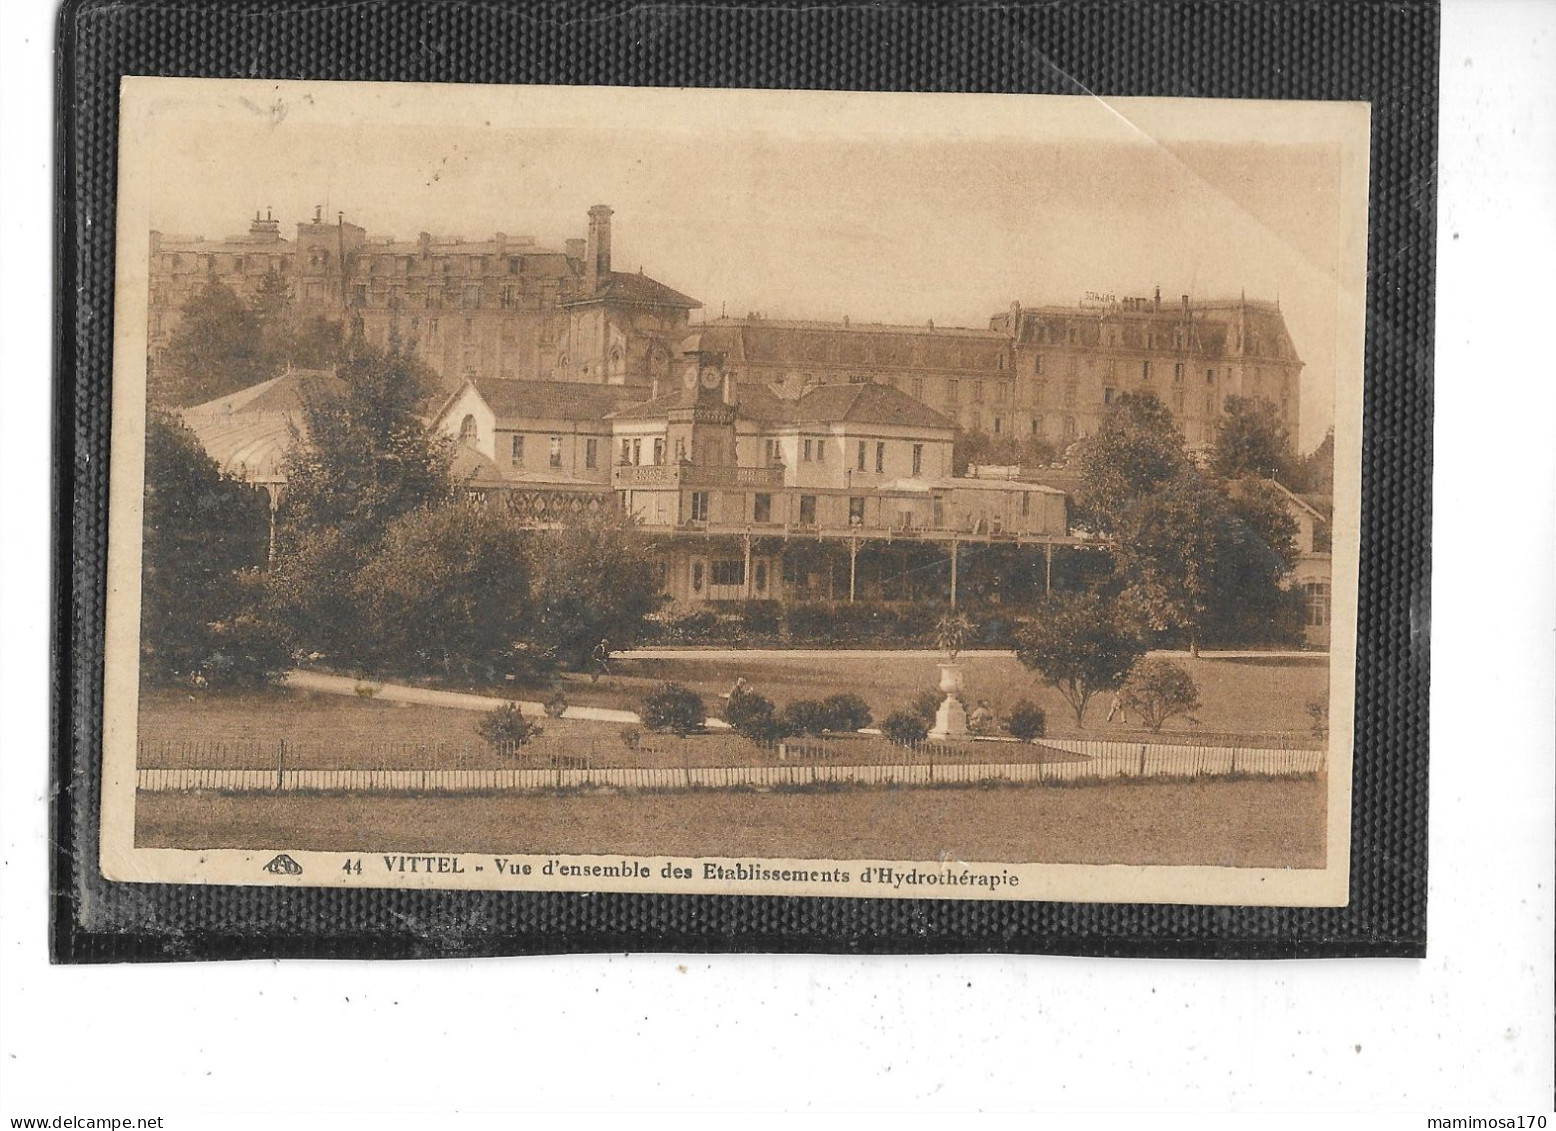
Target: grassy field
[(1242, 699), (1226, 823), (339, 732)]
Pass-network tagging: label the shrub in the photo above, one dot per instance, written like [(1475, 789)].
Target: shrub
[(505, 728), (1318, 711), (1159, 690), (904, 728), (753, 716), (697, 625), (556, 705), (1027, 721), (673, 708), (926, 705), (806, 716), (632, 739), (759, 618), (846, 711)]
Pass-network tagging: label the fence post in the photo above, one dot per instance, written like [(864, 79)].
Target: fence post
[(1234, 760), (686, 763), (281, 765), (1142, 759)]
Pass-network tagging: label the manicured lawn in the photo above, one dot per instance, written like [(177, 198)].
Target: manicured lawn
[(341, 732), (1243, 699), (1226, 823)]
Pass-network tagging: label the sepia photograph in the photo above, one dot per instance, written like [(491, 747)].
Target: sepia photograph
[(592, 489)]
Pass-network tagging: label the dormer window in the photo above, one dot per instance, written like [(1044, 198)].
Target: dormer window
[(468, 433)]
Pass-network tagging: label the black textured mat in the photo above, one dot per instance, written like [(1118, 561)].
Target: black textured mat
[(1382, 53)]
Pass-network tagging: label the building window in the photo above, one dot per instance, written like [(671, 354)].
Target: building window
[(860, 457), (762, 508), (1002, 393), (467, 431), (918, 388), (951, 391), (1037, 364), (626, 451), (1069, 394), (1026, 504), (1107, 395), (659, 450), (999, 425), (975, 420), (1037, 424), (508, 294), (918, 459), (856, 510), (1145, 371), (472, 296), (637, 451), (732, 572), (516, 451), (808, 451), (515, 265), (977, 392), (761, 577), (699, 506), (556, 451), (680, 449), (880, 455), (1069, 427), (591, 453), (821, 451), (1210, 404), (1177, 371), (1210, 376), (696, 577), (1317, 603), (807, 510)]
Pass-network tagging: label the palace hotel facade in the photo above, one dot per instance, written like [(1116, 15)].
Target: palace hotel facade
[(573, 387)]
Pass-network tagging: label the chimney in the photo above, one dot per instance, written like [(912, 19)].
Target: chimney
[(1185, 306), (1158, 300), (597, 264), (423, 244)]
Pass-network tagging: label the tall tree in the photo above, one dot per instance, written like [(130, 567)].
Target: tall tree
[(1189, 559), (1136, 449), (590, 581), (1314, 472), (1251, 440), (1078, 645), (216, 349), (289, 337), (364, 455), (202, 529), (444, 591)]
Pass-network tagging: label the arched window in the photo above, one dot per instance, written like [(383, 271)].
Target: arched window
[(467, 430)]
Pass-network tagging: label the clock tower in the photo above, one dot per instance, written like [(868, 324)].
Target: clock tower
[(701, 428)]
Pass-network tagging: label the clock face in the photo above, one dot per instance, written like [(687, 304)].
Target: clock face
[(711, 378)]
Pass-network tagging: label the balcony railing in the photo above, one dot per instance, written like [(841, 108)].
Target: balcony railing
[(695, 475)]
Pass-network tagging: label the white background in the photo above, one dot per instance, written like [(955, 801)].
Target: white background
[(1466, 1031)]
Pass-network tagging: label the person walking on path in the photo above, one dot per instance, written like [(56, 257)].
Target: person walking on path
[(1117, 708), (600, 660)]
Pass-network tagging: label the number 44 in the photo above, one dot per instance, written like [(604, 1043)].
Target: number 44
[(352, 867)]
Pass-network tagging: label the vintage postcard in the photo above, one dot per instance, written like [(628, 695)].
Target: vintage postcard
[(759, 492)]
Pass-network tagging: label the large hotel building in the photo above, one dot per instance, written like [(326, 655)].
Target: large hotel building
[(571, 386)]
